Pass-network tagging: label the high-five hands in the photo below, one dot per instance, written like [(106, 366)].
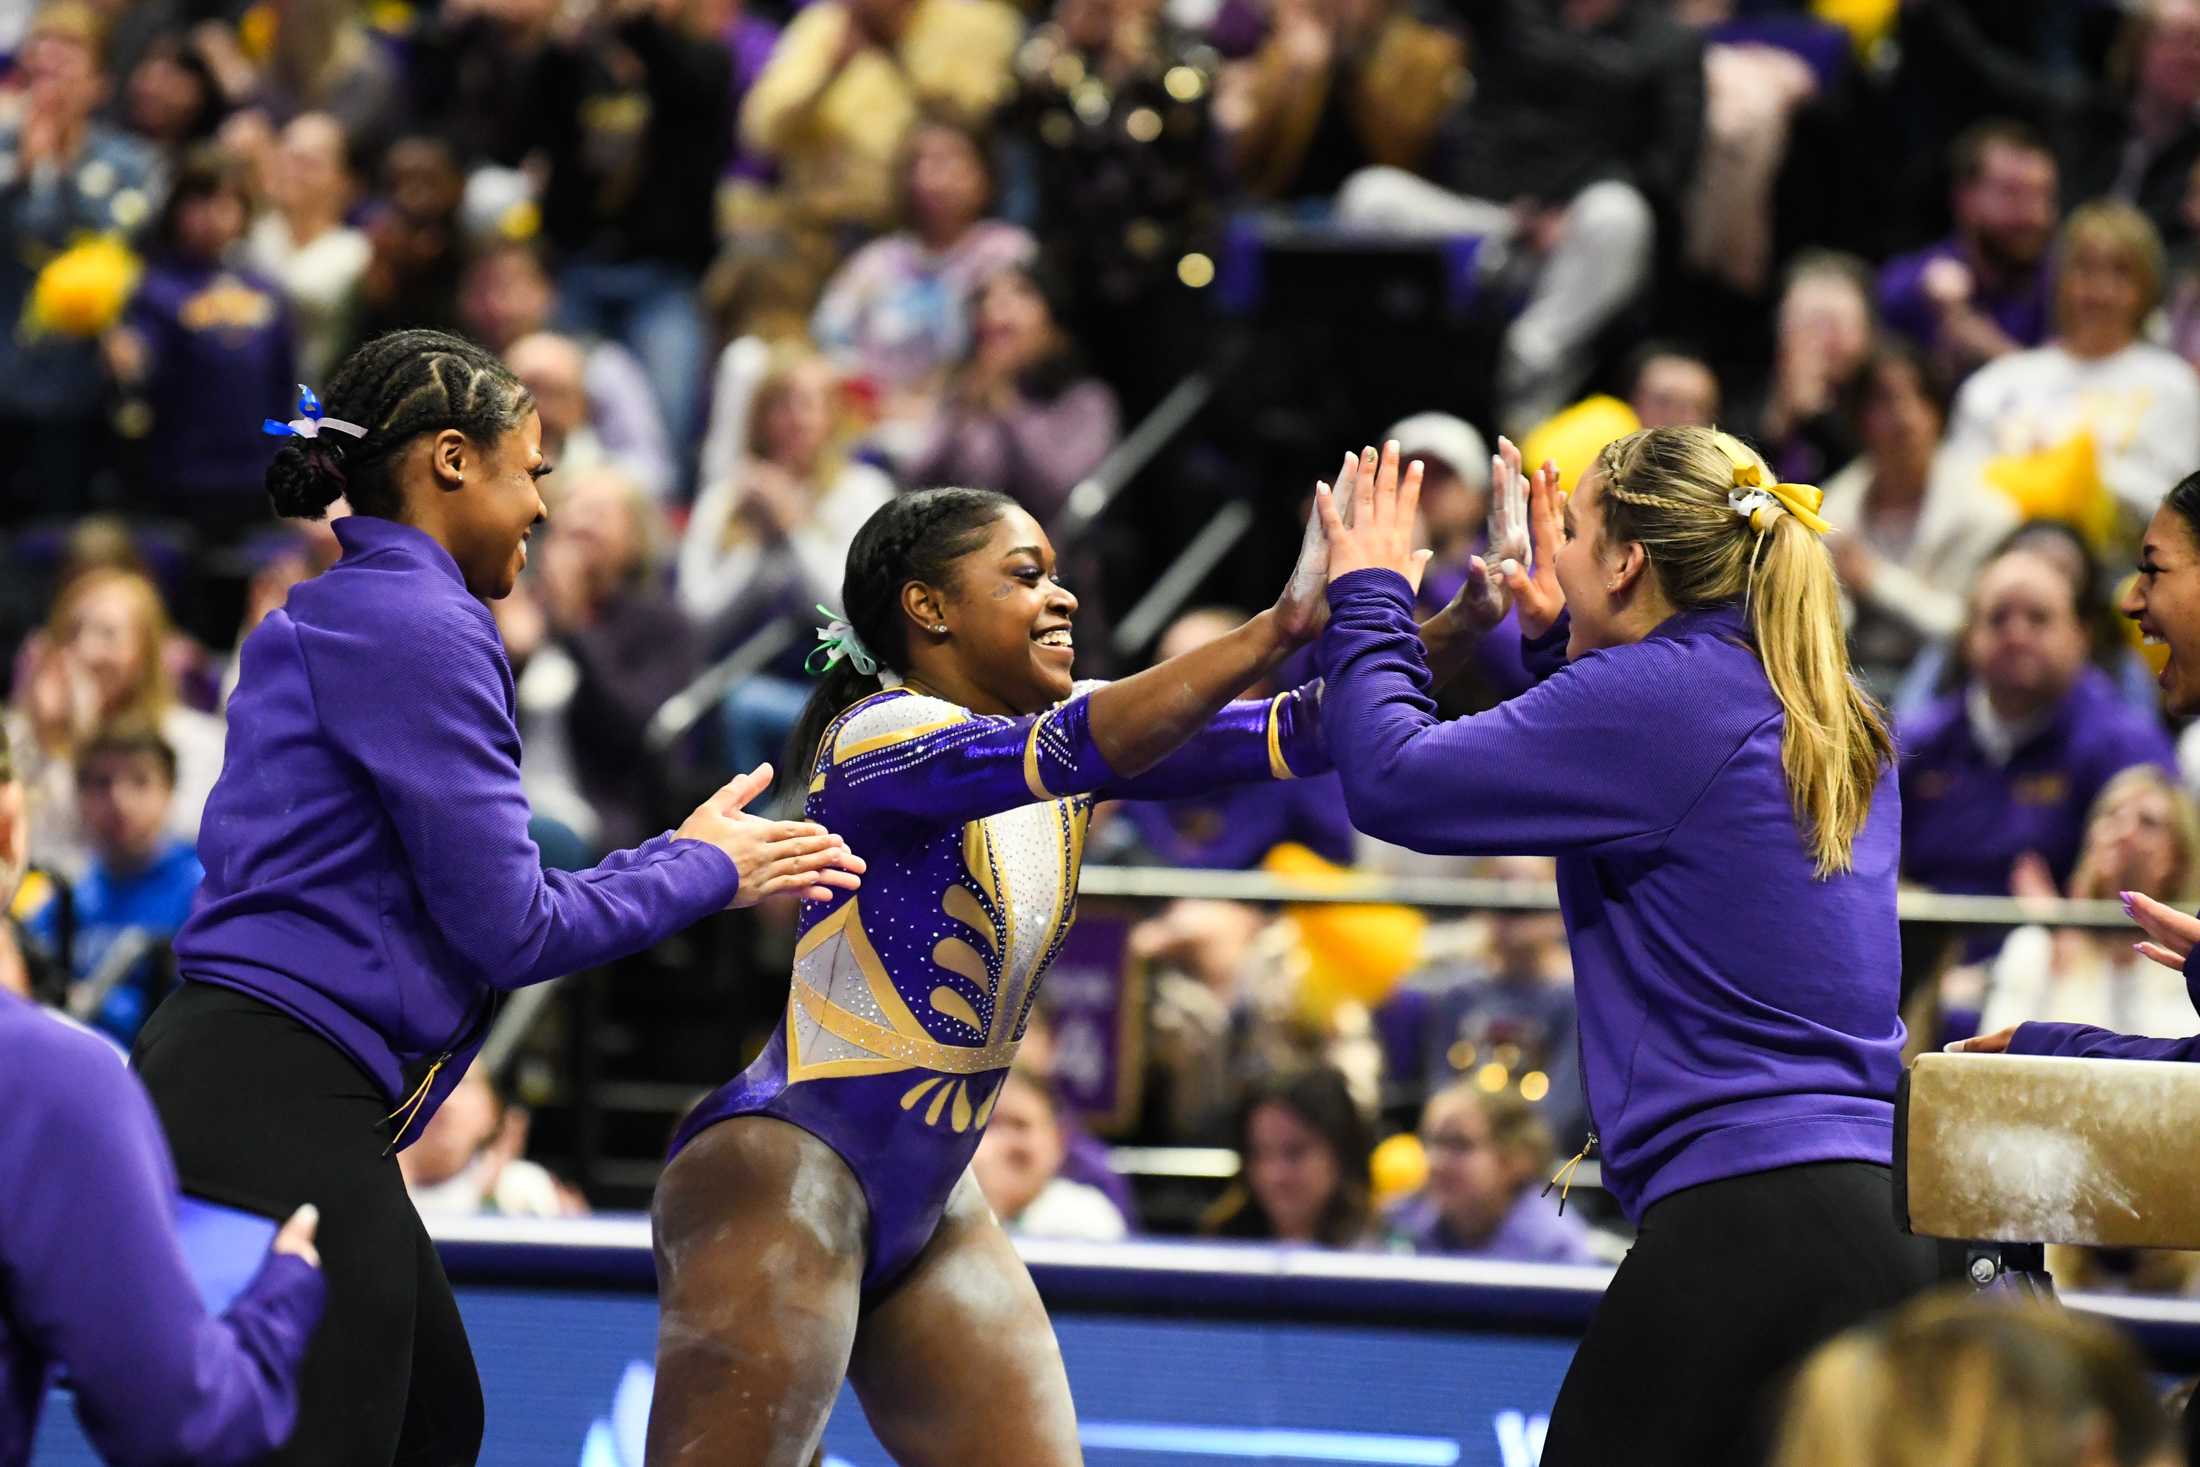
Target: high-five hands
[(1385, 514), (1526, 525), (773, 856), (1303, 608)]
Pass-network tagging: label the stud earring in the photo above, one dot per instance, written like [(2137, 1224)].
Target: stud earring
[(940, 630)]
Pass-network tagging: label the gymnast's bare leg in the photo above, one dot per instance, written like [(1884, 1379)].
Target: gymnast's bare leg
[(958, 1365), (759, 1232)]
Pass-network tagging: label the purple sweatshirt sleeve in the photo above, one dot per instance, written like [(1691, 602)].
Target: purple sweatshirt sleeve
[(1586, 758), (96, 1279), (423, 702), (1248, 742), (904, 760), (907, 759), (2083, 1041), (1546, 654)]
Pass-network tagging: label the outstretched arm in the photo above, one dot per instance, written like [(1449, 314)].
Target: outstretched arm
[(1248, 742), (2170, 938), (904, 758), (1588, 758)]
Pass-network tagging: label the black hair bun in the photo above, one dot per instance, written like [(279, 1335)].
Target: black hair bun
[(305, 478)]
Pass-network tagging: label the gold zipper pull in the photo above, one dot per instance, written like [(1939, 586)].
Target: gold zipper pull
[(1564, 1179), (412, 1104)]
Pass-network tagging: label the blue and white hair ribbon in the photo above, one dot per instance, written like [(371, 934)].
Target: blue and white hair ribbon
[(309, 422), (835, 641)]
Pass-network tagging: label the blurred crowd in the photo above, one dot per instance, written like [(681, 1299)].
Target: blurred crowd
[(766, 263)]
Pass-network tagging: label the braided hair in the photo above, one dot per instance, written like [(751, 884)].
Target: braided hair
[(397, 387), (912, 537)]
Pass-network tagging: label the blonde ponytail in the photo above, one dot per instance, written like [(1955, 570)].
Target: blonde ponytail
[(1716, 528), (1835, 744)]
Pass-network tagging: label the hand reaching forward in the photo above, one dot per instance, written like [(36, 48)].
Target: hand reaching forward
[(1386, 516), (1526, 559), (2171, 934), (1303, 608), (773, 856), (1484, 597)]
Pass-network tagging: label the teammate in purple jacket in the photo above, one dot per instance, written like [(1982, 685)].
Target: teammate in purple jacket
[(370, 885), (91, 1277), (1715, 787)]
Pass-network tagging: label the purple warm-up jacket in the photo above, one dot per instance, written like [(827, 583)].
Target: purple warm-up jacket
[(1738, 1014), (93, 1281), (368, 867)]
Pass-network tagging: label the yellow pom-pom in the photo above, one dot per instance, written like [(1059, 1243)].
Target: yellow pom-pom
[(2060, 482), (1353, 952), (82, 291), (521, 222), (256, 33), (392, 17), (1398, 1169), (1868, 22), (1574, 437)]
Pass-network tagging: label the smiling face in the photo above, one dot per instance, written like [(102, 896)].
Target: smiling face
[(500, 500), (2165, 602), (1290, 1170), (1007, 619), (2102, 292)]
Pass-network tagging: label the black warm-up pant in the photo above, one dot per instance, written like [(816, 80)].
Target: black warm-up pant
[(265, 1114), (1729, 1286)]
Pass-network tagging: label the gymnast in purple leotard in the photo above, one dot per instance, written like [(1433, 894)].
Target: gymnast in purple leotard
[(816, 1221)]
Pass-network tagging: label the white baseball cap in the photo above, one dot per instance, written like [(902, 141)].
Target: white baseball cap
[(1453, 442)]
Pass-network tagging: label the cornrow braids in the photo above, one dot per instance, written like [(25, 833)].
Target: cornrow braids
[(912, 537), (397, 387)]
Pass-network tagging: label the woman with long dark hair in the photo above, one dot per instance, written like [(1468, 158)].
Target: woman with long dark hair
[(816, 1221)]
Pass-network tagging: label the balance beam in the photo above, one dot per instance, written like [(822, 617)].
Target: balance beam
[(2027, 1149)]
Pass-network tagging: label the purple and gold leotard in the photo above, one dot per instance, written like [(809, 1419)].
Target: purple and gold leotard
[(910, 996)]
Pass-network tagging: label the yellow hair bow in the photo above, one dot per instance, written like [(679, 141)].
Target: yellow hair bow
[(1751, 493)]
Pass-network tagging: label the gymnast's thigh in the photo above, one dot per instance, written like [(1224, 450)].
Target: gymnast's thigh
[(758, 1228), (956, 1364)]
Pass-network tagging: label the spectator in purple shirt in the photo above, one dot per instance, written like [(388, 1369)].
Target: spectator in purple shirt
[(205, 334), (1487, 1157), (2010, 762), (1986, 290), (370, 884), (92, 1280)]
